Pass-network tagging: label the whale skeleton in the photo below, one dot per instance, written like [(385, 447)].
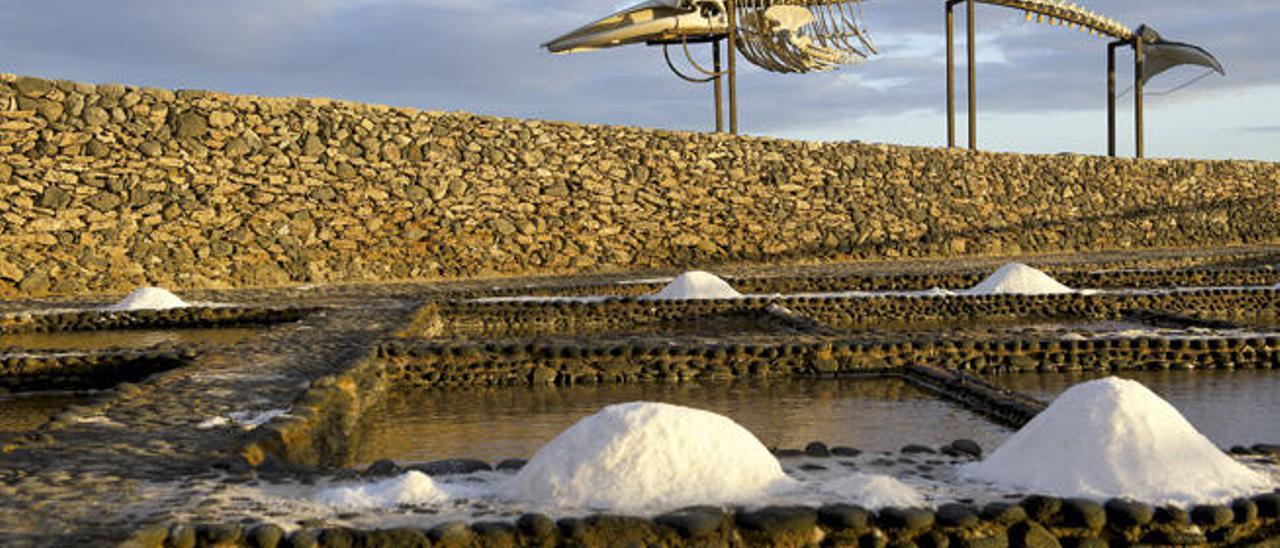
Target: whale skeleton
[(801, 36)]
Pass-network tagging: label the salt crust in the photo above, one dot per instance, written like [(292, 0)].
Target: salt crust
[(1114, 438), (148, 298), (412, 487), (1017, 279)]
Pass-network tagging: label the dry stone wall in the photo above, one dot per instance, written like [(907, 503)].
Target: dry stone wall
[(105, 187)]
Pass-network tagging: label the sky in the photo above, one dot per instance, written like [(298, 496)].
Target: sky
[(1041, 89)]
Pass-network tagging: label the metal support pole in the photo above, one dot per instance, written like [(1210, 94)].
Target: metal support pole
[(733, 66), (1139, 60), (715, 54), (973, 91), (1111, 98), (951, 74)]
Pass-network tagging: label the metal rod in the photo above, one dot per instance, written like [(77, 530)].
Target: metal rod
[(951, 75), (973, 72), (733, 66), (715, 54), (1139, 60), (1111, 98)]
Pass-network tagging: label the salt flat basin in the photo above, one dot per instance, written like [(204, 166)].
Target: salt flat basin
[(1229, 407), (84, 341), (497, 423), (22, 413)]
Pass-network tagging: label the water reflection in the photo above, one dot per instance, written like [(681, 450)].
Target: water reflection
[(1230, 407), (495, 423)]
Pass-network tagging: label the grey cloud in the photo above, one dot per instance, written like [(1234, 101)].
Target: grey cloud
[(483, 56)]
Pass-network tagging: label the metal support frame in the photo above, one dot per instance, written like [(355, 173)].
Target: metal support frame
[(1139, 66), (715, 53), (733, 65), (1139, 60), (1111, 96), (973, 72), (951, 75), (971, 32)]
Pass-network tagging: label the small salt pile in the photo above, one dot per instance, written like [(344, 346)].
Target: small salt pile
[(697, 284), (642, 456), (1018, 279), (412, 487), (875, 491), (148, 298), (1114, 438)]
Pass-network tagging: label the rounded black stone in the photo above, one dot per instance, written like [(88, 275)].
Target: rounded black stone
[(1268, 505), (1124, 513), (817, 449), (774, 520), (695, 521), (957, 515), (909, 519), (264, 535), (1083, 513), (1172, 515), (536, 526), (968, 447), (494, 533), (451, 466), (845, 516), (842, 451), (455, 533), (511, 464), (1212, 515), (917, 449), (1245, 510), (398, 537), (382, 468), (216, 534), (1042, 508), (1003, 513)]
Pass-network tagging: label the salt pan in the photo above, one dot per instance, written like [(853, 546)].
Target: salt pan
[(875, 491), (646, 457), (1019, 279), (149, 298), (1114, 438), (412, 488), (697, 285)]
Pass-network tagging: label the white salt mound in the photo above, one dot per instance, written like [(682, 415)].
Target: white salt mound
[(638, 457), (697, 284), (875, 491), (412, 487), (149, 298), (1018, 279), (1115, 438)]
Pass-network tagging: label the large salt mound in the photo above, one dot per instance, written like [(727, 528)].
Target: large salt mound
[(875, 491), (409, 488), (1018, 279), (697, 284), (638, 457), (149, 298), (1114, 438)]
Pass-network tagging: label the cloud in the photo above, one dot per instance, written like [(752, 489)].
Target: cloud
[(483, 56)]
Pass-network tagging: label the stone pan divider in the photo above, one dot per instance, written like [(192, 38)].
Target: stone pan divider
[(561, 316), (171, 318), (1035, 520), (832, 283)]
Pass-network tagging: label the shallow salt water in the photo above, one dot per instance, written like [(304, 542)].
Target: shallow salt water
[(68, 341), (22, 413), (1229, 407), (493, 424)]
